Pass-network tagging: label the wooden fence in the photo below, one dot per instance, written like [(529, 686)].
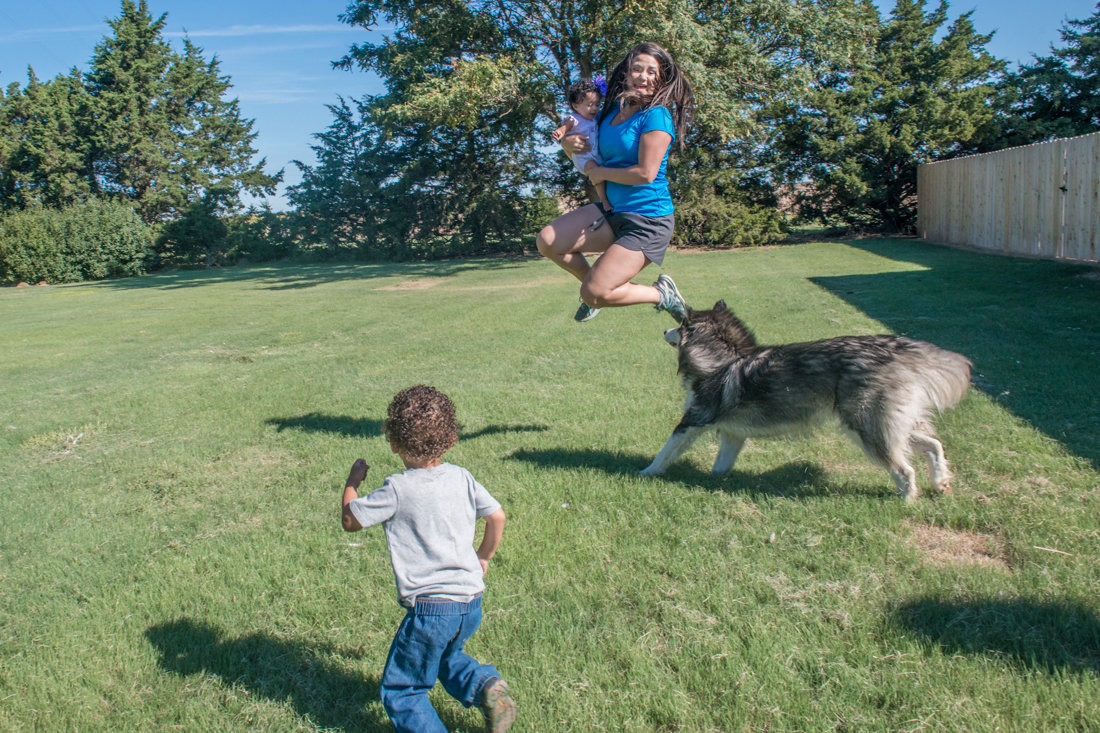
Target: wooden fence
[(1039, 200)]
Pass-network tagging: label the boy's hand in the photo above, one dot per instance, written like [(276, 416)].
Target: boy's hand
[(358, 473), (484, 565), (557, 134)]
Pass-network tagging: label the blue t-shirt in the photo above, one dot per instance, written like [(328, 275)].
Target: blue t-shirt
[(619, 149)]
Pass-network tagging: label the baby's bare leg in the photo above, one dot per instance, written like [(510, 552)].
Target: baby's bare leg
[(601, 189)]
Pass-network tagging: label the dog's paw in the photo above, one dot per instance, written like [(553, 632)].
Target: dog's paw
[(650, 471)]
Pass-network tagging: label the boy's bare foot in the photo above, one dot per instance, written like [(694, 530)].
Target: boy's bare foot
[(358, 473)]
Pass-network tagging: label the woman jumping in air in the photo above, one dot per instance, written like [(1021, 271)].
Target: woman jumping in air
[(647, 107)]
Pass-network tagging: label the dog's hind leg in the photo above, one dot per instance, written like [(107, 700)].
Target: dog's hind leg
[(680, 440), (729, 447), (886, 451), (927, 444), (905, 478)]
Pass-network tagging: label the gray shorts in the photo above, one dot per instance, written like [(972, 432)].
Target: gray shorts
[(649, 235)]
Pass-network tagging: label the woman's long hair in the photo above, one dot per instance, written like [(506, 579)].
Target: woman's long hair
[(673, 89)]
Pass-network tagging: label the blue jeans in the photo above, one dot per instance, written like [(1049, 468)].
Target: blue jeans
[(429, 646)]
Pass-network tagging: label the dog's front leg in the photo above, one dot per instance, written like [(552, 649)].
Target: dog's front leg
[(680, 440), (729, 447)]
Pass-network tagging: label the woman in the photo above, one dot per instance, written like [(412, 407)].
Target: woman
[(648, 106)]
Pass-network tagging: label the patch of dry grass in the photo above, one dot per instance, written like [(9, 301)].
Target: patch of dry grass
[(946, 547)]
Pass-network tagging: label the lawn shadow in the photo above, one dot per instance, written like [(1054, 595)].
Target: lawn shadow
[(1037, 635), (352, 427), (799, 480), (281, 670), (1029, 326), (294, 277), (501, 429)]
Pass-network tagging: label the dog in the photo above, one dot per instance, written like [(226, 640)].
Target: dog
[(882, 388)]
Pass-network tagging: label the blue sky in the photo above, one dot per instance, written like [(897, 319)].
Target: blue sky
[(279, 55)]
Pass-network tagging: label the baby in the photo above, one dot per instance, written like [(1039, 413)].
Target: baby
[(584, 98)]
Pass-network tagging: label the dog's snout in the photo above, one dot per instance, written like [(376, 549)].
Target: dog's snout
[(672, 336)]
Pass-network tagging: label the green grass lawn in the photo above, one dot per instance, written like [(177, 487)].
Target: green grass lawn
[(172, 450)]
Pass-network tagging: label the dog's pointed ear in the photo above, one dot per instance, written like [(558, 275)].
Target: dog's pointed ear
[(720, 306)]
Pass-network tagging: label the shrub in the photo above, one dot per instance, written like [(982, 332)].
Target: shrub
[(87, 241), (262, 236), (539, 210), (197, 237), (705, 219), (31, 250)]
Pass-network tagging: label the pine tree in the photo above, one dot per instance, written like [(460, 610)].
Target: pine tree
[(163, 134), (1058, 95), (861, 135), (43, 153), (339, 197)]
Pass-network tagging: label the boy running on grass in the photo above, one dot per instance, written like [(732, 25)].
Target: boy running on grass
[(429, 512)]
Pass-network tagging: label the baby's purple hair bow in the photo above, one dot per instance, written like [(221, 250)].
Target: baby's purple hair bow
[(601, 84)]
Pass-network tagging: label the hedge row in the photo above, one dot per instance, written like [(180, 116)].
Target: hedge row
[(89, 241)]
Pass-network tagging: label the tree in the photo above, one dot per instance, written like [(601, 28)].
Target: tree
[(43, 149), (339, 198), (472, 87), (163, 133), (1058, 95), (452, 158), (861, 134)]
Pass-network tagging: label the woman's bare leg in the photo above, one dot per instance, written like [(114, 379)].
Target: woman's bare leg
[(608, 280), (565, 240)]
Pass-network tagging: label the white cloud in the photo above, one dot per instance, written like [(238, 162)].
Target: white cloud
[(282, 48), (260, 30), (276, 96), (30, 33)]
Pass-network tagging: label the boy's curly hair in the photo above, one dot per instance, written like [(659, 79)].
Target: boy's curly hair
[(421, 422), (580, 89)]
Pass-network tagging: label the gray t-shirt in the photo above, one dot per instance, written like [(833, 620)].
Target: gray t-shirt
[(429, 516)]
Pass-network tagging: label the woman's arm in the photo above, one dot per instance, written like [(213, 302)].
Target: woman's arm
[(575, 144), (651, 151)]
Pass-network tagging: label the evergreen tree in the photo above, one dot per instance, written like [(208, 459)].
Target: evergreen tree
[(861, 134), (43, 153), (163, 133), (339, 197), (1058, 95)]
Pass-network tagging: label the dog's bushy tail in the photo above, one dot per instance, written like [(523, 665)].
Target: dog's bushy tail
[(945, 377)]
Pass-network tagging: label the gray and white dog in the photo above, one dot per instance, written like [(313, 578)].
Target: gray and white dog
[(882, 388)]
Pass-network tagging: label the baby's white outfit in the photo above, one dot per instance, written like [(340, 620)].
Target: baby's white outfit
[(591, 129)]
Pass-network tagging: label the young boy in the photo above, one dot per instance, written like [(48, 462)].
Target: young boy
[(429, 512), (584, 98)]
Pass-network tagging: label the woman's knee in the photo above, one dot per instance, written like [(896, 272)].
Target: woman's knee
[(593, 294), (545, 242)]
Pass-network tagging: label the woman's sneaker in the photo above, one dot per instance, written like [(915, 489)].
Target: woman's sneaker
[(497, 706), (671, 300), (585, 313)]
